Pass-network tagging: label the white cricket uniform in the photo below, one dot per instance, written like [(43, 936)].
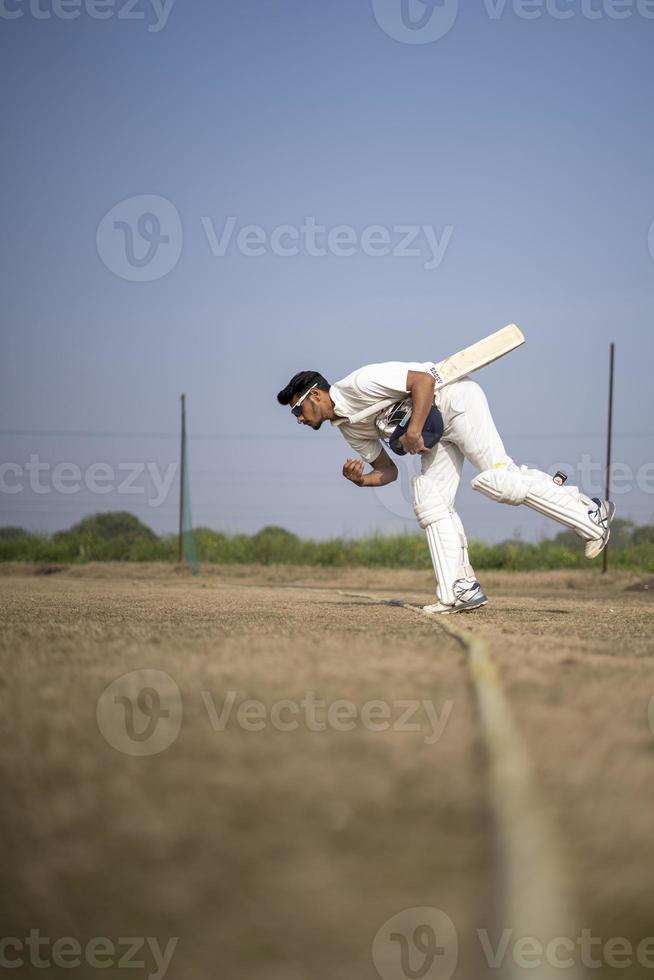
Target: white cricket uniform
[(469, 433), (469, 430), (373, 386)]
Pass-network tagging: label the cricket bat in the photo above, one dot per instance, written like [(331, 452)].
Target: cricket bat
[(478, 355), (458, 366)]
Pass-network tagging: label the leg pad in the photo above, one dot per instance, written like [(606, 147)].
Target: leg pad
[(511, 484)]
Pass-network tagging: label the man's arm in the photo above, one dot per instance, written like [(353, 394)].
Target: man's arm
[(421, 388), (384, 471)]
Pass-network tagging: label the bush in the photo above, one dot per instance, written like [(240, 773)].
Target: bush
[(108, 527), (112, 536), (11, 533), (122, 537)]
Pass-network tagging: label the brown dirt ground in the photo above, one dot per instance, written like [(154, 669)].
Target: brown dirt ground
[(280, 854)]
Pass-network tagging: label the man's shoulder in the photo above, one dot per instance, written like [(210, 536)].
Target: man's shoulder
[(384, 366), (375, 366), (384, 374), (378, 370)]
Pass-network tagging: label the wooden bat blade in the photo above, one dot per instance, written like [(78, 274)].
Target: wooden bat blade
[(479, 355)]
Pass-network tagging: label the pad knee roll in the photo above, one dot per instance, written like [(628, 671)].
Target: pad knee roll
[(507, 484), (428, 505)]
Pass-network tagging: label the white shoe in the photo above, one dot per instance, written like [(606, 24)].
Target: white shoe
[(602, 515), (469, 595)]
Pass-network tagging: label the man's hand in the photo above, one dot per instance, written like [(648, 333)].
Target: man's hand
[(413, 443), (384, 471), (353, 471)]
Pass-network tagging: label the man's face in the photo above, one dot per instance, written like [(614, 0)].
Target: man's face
[(311, 412)]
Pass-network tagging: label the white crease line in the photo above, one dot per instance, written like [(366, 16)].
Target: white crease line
[(535, 902)]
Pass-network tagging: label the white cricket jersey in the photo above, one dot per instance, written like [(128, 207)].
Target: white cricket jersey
[(371, 387)]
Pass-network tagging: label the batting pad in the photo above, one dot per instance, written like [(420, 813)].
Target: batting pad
[(446, 538), (511, 484)]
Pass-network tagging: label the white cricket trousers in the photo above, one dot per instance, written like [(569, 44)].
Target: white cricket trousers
[(469, 433)]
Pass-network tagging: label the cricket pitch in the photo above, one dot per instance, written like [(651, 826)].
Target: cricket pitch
[(326, 767)]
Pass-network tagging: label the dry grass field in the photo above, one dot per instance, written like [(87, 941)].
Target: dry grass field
[(293, 766)]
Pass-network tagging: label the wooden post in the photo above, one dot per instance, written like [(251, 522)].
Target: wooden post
[(180, 540), (609, 446)]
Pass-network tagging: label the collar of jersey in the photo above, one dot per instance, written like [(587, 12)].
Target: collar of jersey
[(341, 415)]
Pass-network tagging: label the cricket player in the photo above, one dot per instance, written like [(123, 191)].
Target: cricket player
[(444, 427)]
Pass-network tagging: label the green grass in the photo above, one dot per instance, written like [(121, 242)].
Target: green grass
[(122, 537)]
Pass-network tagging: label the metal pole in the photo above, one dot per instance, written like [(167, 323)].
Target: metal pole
[(180, 539), (609, 446)]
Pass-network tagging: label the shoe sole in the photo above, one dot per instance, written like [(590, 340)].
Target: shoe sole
[(468, 607)]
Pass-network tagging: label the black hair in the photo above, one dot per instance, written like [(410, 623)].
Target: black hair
[(300, 383)]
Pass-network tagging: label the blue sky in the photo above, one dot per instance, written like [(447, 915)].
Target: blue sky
[(524, 145)]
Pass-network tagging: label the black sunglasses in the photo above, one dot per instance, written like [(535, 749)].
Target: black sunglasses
[(297, 410)]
